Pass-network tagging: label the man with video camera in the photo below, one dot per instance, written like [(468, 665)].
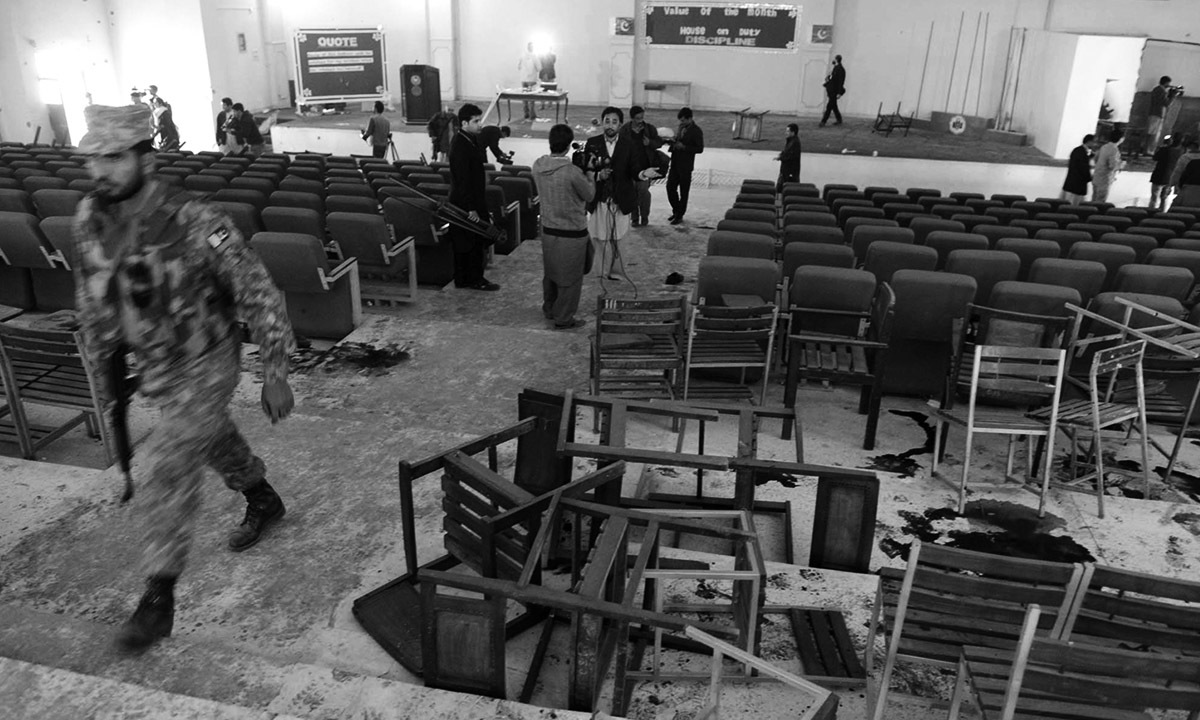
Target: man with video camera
[(564, 189), (1161, 97), (616, 162)]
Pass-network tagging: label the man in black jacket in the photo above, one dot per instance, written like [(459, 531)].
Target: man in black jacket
[(645, 135), (689, 142), (468, 192), (1079, 171), (616, 162), (835, 87), (223, 122), (245, 130)]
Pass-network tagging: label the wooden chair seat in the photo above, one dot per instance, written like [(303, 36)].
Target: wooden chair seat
[(730, 337), (637, 349)]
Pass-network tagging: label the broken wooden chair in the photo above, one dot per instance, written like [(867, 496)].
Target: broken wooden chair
[(891, 121)]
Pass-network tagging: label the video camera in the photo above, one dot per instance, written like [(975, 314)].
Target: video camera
[(1175, 90), (586, 161)]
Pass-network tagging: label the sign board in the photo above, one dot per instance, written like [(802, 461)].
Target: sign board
[(339, 65), (746, 26)]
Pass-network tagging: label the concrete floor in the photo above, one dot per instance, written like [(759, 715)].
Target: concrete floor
[(270, 631)]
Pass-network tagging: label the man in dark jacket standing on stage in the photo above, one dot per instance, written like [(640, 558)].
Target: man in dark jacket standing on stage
[(835, 87), (689, 142), (646, 135), (468, 192)]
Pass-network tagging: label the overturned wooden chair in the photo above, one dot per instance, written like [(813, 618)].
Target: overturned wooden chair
[(891, 121)]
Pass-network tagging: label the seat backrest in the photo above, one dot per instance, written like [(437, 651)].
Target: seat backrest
[(16, 201), (1111, 256), (719, 276), (1131, 608), (763, 216), (1080, 680), (1084, 276), (736, 244), (346, 203), (928, 303), (947, 591), (947, 242), (988, 267), (36, 183), (1141, 244), (1034, 298), (205, 183), (749, 226), (885, 258), (242, 195), (21, 241), (922, 227), (866, 235), (362, 236), (246, 218), (852, 224), (1174, 282), (286, 198), (348, 189), (734, 323), (412, 216), (814, 234), (820, 289), (294, 220), (797, 255), (296, 261), (53, 203)]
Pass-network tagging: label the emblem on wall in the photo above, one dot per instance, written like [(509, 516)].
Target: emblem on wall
[(822, 34), (622, 26)]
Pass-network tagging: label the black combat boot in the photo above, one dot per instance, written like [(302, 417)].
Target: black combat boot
[(263, 506), (153, 618)]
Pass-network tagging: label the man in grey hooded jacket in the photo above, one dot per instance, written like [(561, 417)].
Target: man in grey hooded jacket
[(563, 191)]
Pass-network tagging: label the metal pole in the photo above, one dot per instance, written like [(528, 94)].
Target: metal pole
[(1017, 80), (987, 22), (1008, 57), (954, 63), (924, 66), (971, 64)]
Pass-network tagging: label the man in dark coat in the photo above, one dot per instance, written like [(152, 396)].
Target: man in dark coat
[(789, 159), (468, 192), (246, 131), (616, 162), (689, 142), (646, 135), (1079, 172), (835, 87)]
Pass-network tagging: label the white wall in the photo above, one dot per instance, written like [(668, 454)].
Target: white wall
[(162, 42), (1042, 87), (726, 78), (1179, 61), (1164, 19), (78, 27), (243, 75), (1118, 59)]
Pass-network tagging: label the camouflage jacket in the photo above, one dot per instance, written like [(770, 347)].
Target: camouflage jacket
[(168, 276)]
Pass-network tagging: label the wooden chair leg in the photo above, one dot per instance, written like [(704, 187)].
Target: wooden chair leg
[(960, 688), (873, 403)]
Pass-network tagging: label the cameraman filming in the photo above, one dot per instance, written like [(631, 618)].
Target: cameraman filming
[(378, 132), (617, 162), (564, 190), (1161, 97)]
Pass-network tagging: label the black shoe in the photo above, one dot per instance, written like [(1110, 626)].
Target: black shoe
[(576, 323), (153, 618), (486, 285), (821, 124), (675, 219), (263, 506)]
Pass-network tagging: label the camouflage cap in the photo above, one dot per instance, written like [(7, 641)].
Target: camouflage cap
[(114, 129)]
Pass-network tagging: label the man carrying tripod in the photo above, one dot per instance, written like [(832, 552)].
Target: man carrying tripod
[(468, 191)]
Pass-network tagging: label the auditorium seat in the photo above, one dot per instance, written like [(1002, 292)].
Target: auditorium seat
[(322, 301), (292, 183), (738, 244), (915, 193), (846, 212), (1142, 245), (970, 222), (435, 253), (831, 288), (1080, 212), (1178, 227), (921, 227), (367, 238), (1032, 207), (764, 216), (996, 233), (892, 209), (802, 217), (1006, 214), (883, 259), (866, 235), (54, 203), (927, 306), (349, 190), (798, 255), (1008, 199), (36, 276), (1111, 256), (1065, 238), (931, 201), (1085, 277), (879, 199), (833, 187), (980, 206), (823, 234), (987, 267), (1172, 282), (294, 220), (16, 201), (239, 195), (205, 183), (946, 212), (1034, 298), (1162, 235), (963, 197), (286, 198), (1117, 222), (871, 191), (346, 203), (946, 242), (854, 223), (748, 226), (1027, 250), (1094, 229), (35, 183), (719, 279), (1058, 218)]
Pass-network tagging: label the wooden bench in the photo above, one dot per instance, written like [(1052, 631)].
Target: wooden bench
[(661, 85)]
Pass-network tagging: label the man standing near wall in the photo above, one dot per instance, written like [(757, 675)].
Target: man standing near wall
[(224, 121), (835, 87), (1108, 164), (468, 191), (564, 191), (645, 135), (689, 142), (789, 159)]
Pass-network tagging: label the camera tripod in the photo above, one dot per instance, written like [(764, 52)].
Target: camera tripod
[(392, 154)]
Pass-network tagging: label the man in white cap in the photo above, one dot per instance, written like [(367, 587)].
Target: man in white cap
[(165, 276)]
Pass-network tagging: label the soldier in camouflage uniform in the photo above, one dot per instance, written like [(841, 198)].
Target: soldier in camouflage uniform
[(166, 276)]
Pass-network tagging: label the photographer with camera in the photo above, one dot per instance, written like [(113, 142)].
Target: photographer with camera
[(616, 161), (468, 191), (1161, 97), (378, 132), (489, 136), (564, 189)]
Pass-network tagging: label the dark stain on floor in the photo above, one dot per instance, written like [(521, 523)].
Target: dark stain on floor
[(903, 464), (1185, 483), (997, 527), (1191, 521), (762, 477)]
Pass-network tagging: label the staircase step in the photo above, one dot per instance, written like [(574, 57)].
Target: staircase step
[(48, 653)]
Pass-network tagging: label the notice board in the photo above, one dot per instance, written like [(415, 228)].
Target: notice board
[(746, 26), (340, 65)]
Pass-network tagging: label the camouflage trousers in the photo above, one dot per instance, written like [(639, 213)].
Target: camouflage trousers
[(195, 430)]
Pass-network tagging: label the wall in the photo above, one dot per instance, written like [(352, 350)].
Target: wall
[(1181, 62), (1163, 19), (492, 35), (732, 78), (1114, 61), (906, 52), (80, 29), (405, 26), (243, 75), (1042, 86), (162, 42)]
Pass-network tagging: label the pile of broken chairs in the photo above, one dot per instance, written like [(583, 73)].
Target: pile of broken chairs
[(448, 620)]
